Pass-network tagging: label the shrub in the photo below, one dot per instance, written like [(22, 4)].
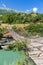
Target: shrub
[(35, 29), (14, 28), (11, 46), (18, 46)]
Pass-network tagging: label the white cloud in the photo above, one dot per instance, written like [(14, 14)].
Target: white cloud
[(4, 5), (35, 9), (16, 10), (27, 11)]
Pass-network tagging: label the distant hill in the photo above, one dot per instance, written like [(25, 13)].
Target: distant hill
[(6, 10)]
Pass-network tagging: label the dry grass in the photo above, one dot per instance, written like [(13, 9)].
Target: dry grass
[(10, 26), (21, 25)]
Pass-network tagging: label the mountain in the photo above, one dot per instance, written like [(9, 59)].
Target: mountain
[(6, 10)]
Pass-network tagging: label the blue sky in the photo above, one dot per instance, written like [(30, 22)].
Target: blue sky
[(23, 5)]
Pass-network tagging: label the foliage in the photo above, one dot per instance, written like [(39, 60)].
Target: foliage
[(9, 18), (18, 46), (19, 63), (20, 30), (14, 28), (2, 31), (22, 18), (35, 29), (10, 46)]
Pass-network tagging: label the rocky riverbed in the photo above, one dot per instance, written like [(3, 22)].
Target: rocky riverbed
[(36, 50)]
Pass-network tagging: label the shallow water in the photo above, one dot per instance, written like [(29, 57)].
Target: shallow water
[(12, 58)]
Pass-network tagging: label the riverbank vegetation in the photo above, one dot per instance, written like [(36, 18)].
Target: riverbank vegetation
[(35, 29), (19, 46), (29, 30), (2, 31), (32, 20)]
